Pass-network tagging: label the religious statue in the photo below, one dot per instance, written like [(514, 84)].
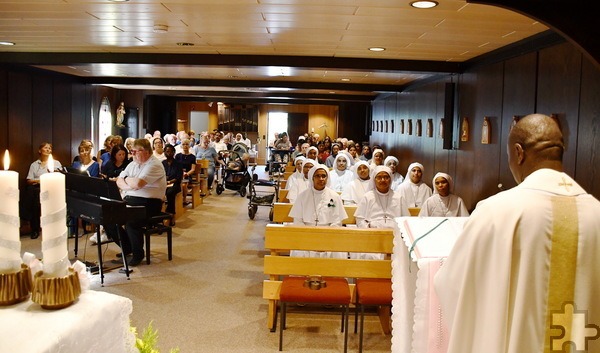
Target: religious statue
[(121, 114)]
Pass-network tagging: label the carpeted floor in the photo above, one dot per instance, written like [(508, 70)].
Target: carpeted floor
[(209, 297)]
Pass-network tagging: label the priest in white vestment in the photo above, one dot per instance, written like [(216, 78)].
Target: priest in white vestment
[(527, 258), (318, 205), (413, 189), (301, 184), (297, 175), (340, 175), (397, 178), (443, 203), (354, 192)]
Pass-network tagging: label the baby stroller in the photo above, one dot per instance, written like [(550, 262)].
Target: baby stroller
[(235, 174)]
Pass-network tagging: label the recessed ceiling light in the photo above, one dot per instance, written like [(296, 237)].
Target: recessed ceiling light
[(426, 4), (185, 44), (6, 43), (346, 79), (376, 49)]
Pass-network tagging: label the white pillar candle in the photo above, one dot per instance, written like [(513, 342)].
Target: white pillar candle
[(10, 243), (54, 223)]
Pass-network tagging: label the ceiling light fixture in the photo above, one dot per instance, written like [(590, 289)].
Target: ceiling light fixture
[(346, 80), (6, 43), (377, 49), (424, 4), (161, 28)]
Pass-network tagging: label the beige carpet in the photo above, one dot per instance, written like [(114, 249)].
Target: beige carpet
[(209, 298)]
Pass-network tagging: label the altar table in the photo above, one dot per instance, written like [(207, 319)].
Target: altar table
[(417, 318), (96, 322)]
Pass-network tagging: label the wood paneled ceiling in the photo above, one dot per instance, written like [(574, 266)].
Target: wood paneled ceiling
[(260, 48)]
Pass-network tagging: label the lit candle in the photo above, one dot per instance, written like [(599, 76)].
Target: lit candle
[(10, 244), (54, 226)]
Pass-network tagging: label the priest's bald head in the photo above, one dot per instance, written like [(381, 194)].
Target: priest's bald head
[(535, 142)]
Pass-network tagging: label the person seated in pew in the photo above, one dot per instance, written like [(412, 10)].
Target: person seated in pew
[(143, 183), (188, 162), (117, 163), (301, 184), (443, 203), (379, 206), (397, 178), (312, 153), (341, 175), (174, 173), (318, 205), (354, 192), (297, 175), (378, 158), (36, 169), (413, 189)]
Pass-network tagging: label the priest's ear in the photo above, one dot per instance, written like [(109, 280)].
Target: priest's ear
[(516, 153), (519, 153)]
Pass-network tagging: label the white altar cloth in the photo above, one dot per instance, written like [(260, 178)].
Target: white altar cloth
[(96, 322), (419, 327)]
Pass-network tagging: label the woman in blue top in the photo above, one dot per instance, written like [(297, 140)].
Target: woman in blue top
[(85, 161)]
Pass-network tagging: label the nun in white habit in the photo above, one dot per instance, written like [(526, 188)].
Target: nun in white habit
[(318, 205), (297, 175), (354, 191), (443, 203), (341, 174), (397, 178), (301, 184), (379, 206), (413, 189)]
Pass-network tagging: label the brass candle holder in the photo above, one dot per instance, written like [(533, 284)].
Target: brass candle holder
[(15, 287), (56, 292)]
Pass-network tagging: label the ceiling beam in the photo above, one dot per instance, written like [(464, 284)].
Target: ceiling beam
[(230, 60), (243, 83)]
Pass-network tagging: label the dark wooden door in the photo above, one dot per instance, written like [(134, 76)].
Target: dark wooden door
[(297, 125)]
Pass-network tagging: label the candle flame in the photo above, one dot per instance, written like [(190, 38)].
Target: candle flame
[(50, 164), (6, 160)]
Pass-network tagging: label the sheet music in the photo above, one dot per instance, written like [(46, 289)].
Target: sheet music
[(438, 242)]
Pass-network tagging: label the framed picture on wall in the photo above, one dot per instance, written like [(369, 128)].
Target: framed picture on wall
[(402, 126), (392, 126), (419, 128), (409, 127), (386, 126)]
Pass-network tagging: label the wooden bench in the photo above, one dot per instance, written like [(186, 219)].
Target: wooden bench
[(280, 239), (282, 196), (202, 175), (281, 210)]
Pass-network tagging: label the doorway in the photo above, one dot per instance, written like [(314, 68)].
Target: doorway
[(277, 123)]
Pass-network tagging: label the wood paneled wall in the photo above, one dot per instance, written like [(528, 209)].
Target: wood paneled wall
[(556, 80)]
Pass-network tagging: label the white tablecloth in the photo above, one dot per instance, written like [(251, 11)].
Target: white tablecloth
[(417, 318), (96, 322)]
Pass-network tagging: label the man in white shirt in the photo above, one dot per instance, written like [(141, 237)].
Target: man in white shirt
[(143, 183), (523, 275)]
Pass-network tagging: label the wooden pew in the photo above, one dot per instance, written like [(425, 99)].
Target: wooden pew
[(280, 239), (290, 168), (281, 211), (282, 196)]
